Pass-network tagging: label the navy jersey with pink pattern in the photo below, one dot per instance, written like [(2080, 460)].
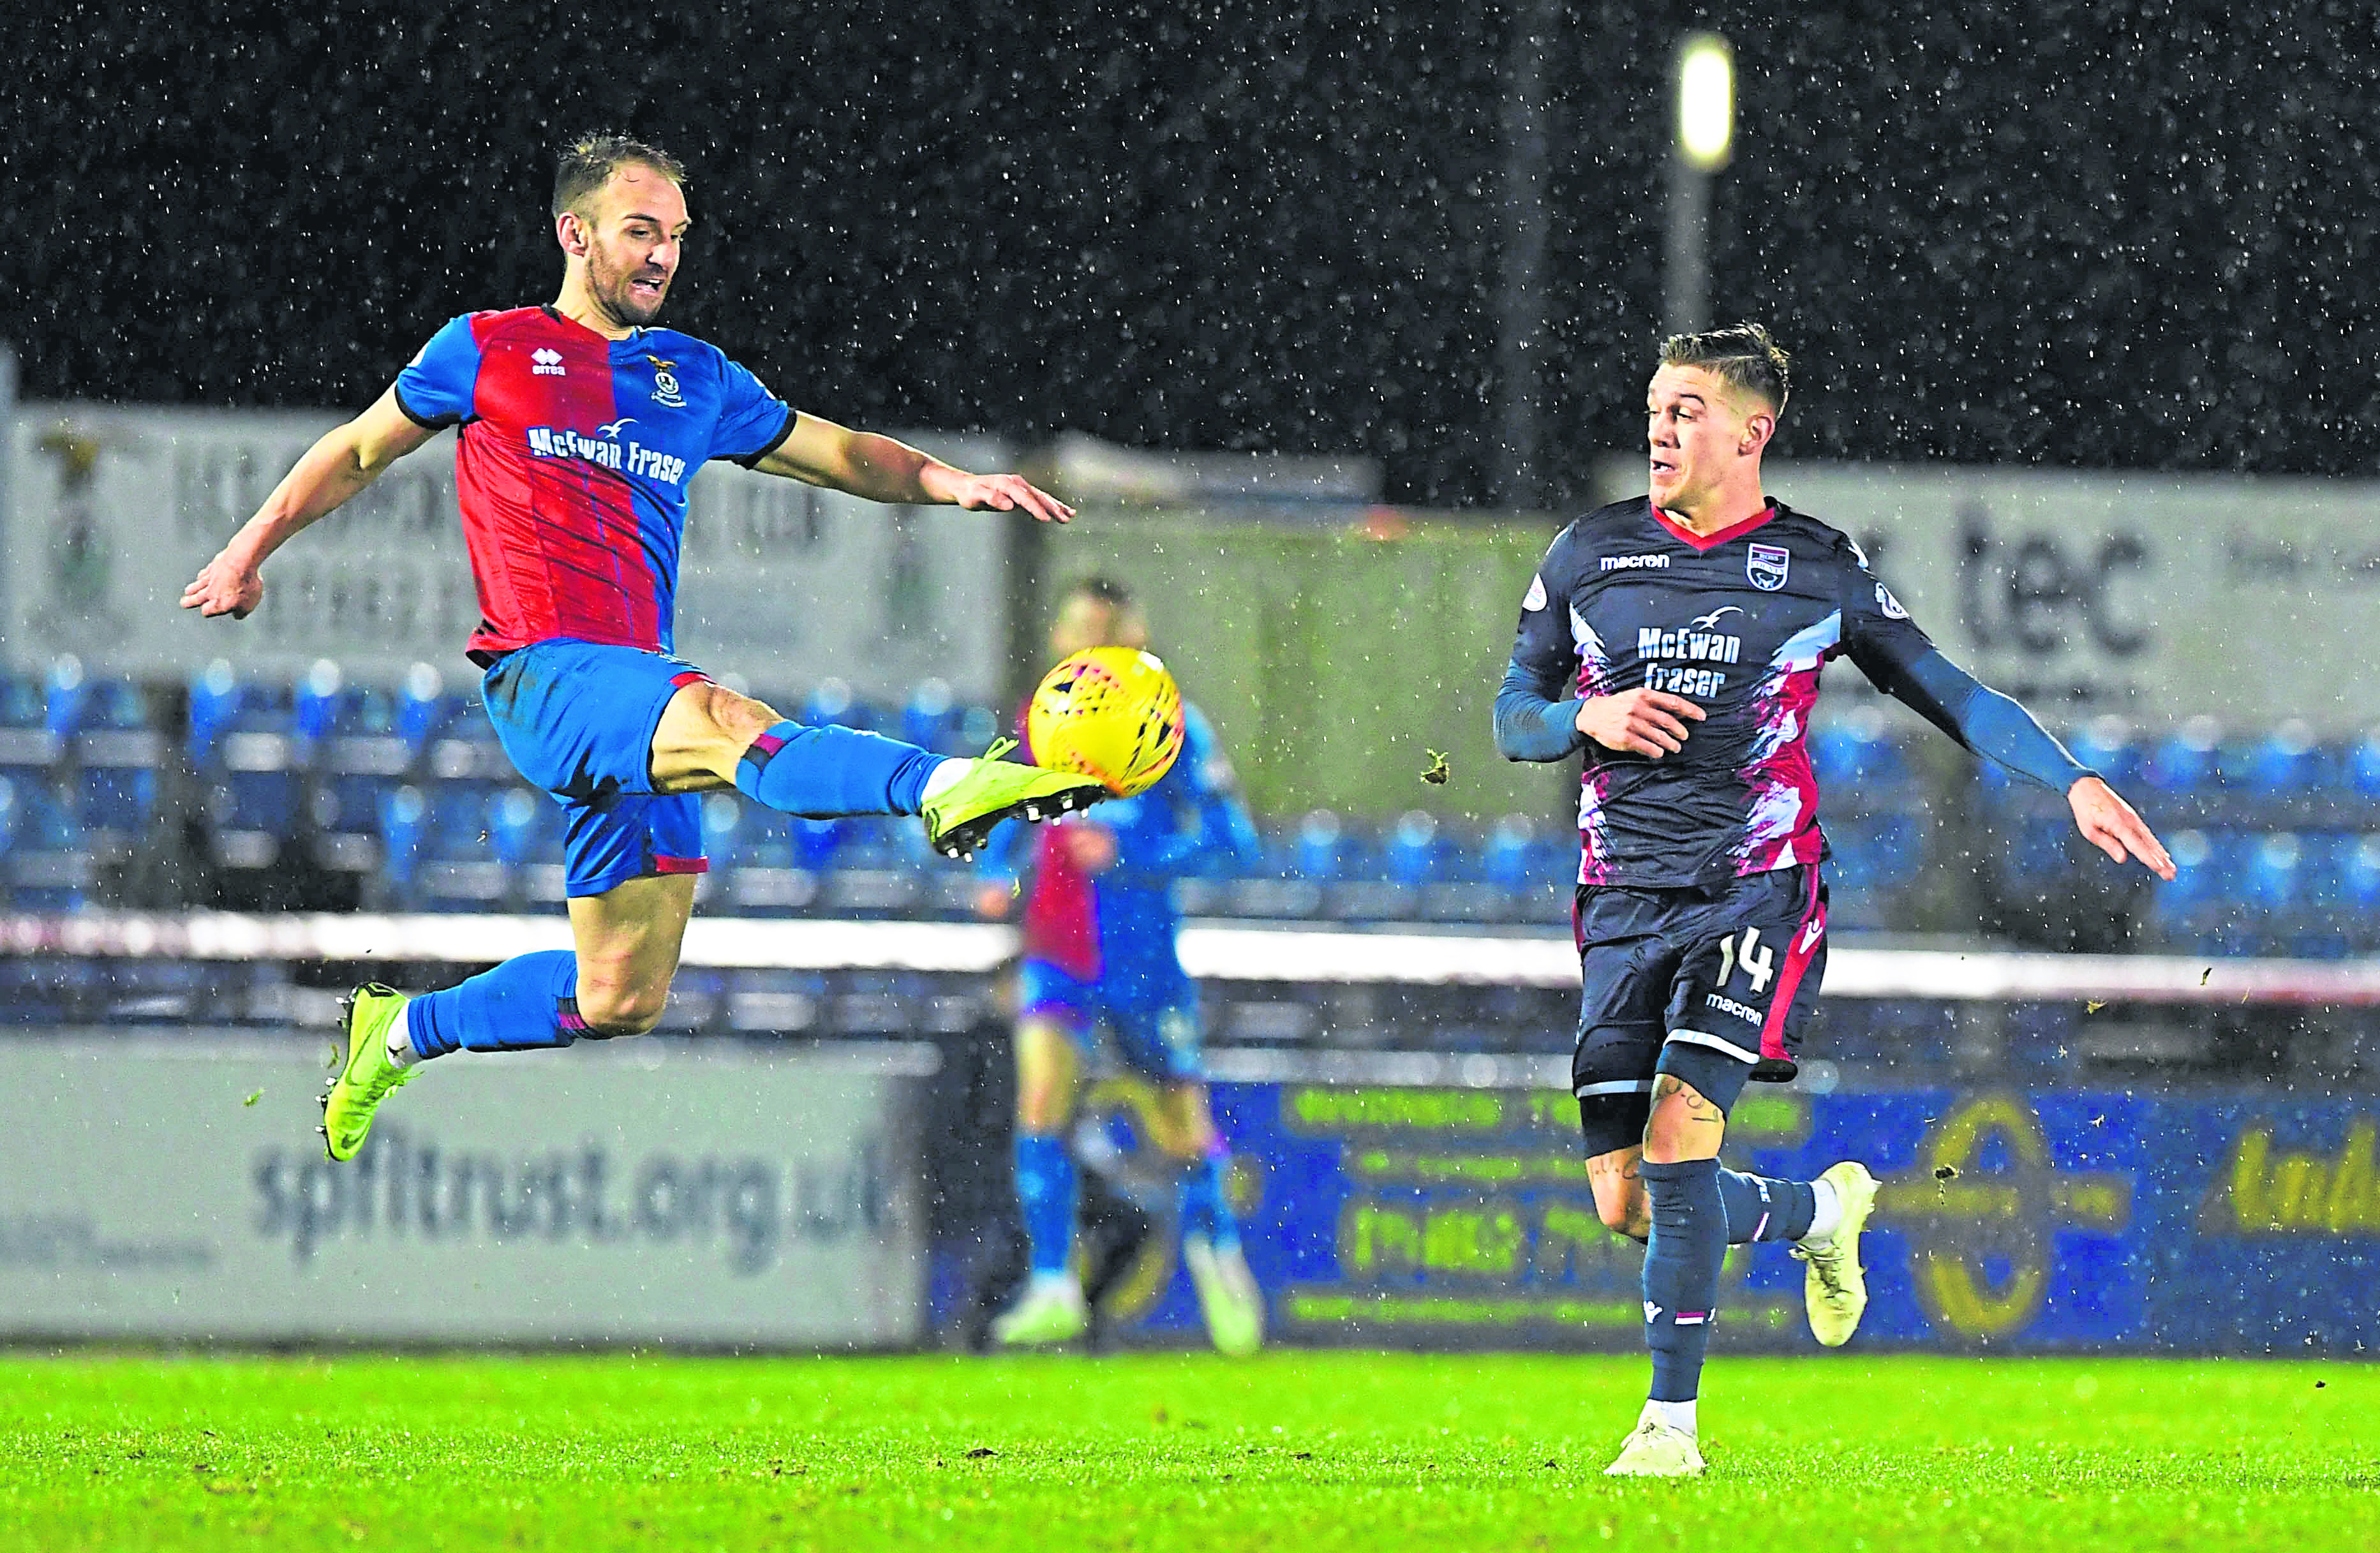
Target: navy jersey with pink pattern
[(1742, 623)]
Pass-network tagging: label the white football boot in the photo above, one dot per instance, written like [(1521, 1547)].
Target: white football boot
[(1050, 1310), (1658, 1449), (1228, 1295), (1835, 1288)]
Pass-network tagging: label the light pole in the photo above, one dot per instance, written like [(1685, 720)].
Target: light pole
[(1704, 88), (1520, 345)]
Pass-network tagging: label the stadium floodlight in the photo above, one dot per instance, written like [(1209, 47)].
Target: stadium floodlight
[(1704, 85), (1706, 101)]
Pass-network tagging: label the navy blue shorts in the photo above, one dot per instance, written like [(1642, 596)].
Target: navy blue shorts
[(1711, 985), (1153, 1016), (578, 720)]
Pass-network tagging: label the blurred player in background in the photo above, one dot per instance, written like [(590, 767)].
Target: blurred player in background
[(1677, 640), (1099, 924), (582, 426)]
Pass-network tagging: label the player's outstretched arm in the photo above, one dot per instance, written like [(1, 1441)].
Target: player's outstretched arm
[(2111, 825), (885, 469), (346, 459), (1996, 727)]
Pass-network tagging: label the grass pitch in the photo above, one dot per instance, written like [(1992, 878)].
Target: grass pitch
[(1302, 1451)]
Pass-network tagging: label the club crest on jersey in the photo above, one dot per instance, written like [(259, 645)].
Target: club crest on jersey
[(665, 384), (1890, 606), (1767, 566)]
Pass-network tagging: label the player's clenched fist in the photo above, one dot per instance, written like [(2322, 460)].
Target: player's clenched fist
[(1647, 721), (222, 587)]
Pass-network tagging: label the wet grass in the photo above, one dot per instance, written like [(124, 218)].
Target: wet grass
[(1302, 1451)]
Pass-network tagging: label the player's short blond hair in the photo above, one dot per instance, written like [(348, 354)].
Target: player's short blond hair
[(587, 162), (1741, 355)]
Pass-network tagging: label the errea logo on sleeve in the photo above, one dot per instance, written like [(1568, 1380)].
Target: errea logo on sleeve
[(545, 362)]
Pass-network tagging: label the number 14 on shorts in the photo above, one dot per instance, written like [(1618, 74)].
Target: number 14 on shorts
[(1758, 962)]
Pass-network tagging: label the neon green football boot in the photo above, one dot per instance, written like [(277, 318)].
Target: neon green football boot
[(960, 816), (367, 1076), (1834, 1288)]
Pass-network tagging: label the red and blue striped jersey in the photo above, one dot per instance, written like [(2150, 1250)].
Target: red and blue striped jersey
[(573, 464)]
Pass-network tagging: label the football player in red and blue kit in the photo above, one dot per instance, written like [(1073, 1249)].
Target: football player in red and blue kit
[(1099, 924), (581, 426), (1676, 639)]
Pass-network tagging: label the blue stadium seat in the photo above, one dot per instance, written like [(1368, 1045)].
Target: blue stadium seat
[(2272, 879), (978, 726), (2287, 761), (460, 868), (2186, 760), (1323, 850), (524, 828), (1857, 750), (404, 820), (832, 701), (215, 698), (2361, 766), (47, 858), (425, 710), (2358, 871), (118, 755), (1520, 856), (1413, 853), (316, 701), (67, 691), (930, 719), (2105, 744)]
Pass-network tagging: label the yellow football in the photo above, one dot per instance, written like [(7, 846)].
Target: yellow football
[(1110, 713)]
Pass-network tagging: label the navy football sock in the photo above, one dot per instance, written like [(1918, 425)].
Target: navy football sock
[(1681, 1263), (530, 1001), (1045, 1191), (1763, 1208), (828, 771), (1204, 1208)]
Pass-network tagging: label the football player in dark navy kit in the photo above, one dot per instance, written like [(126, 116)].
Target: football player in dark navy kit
[(1677, 641)]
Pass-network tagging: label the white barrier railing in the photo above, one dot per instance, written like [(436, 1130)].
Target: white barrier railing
[(1211, 950)]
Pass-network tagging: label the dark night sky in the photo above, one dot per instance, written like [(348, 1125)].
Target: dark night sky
[(2113, 234)]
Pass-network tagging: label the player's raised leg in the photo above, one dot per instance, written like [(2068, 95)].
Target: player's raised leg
[(1822, 1220), (708, 737), (614, 982), (1051, 1308)]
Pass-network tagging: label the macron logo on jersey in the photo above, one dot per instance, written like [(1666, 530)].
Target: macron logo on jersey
[(1634, 562), (545, 363), (545, 441)]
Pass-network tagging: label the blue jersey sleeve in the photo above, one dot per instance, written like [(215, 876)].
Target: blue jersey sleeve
[(752, 420), (1534, 719), (1195, 814), (437, 387)]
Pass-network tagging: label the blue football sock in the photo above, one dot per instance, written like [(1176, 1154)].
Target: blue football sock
[(1681, 1263), (1763, 1208), (530, 1001), (828, 771), (1045, 1191), (1204, 1208)]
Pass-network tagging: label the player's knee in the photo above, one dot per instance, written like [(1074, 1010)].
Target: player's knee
[(614, 1011), (740, 719), (1624, 1213), (1684, 1124)]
